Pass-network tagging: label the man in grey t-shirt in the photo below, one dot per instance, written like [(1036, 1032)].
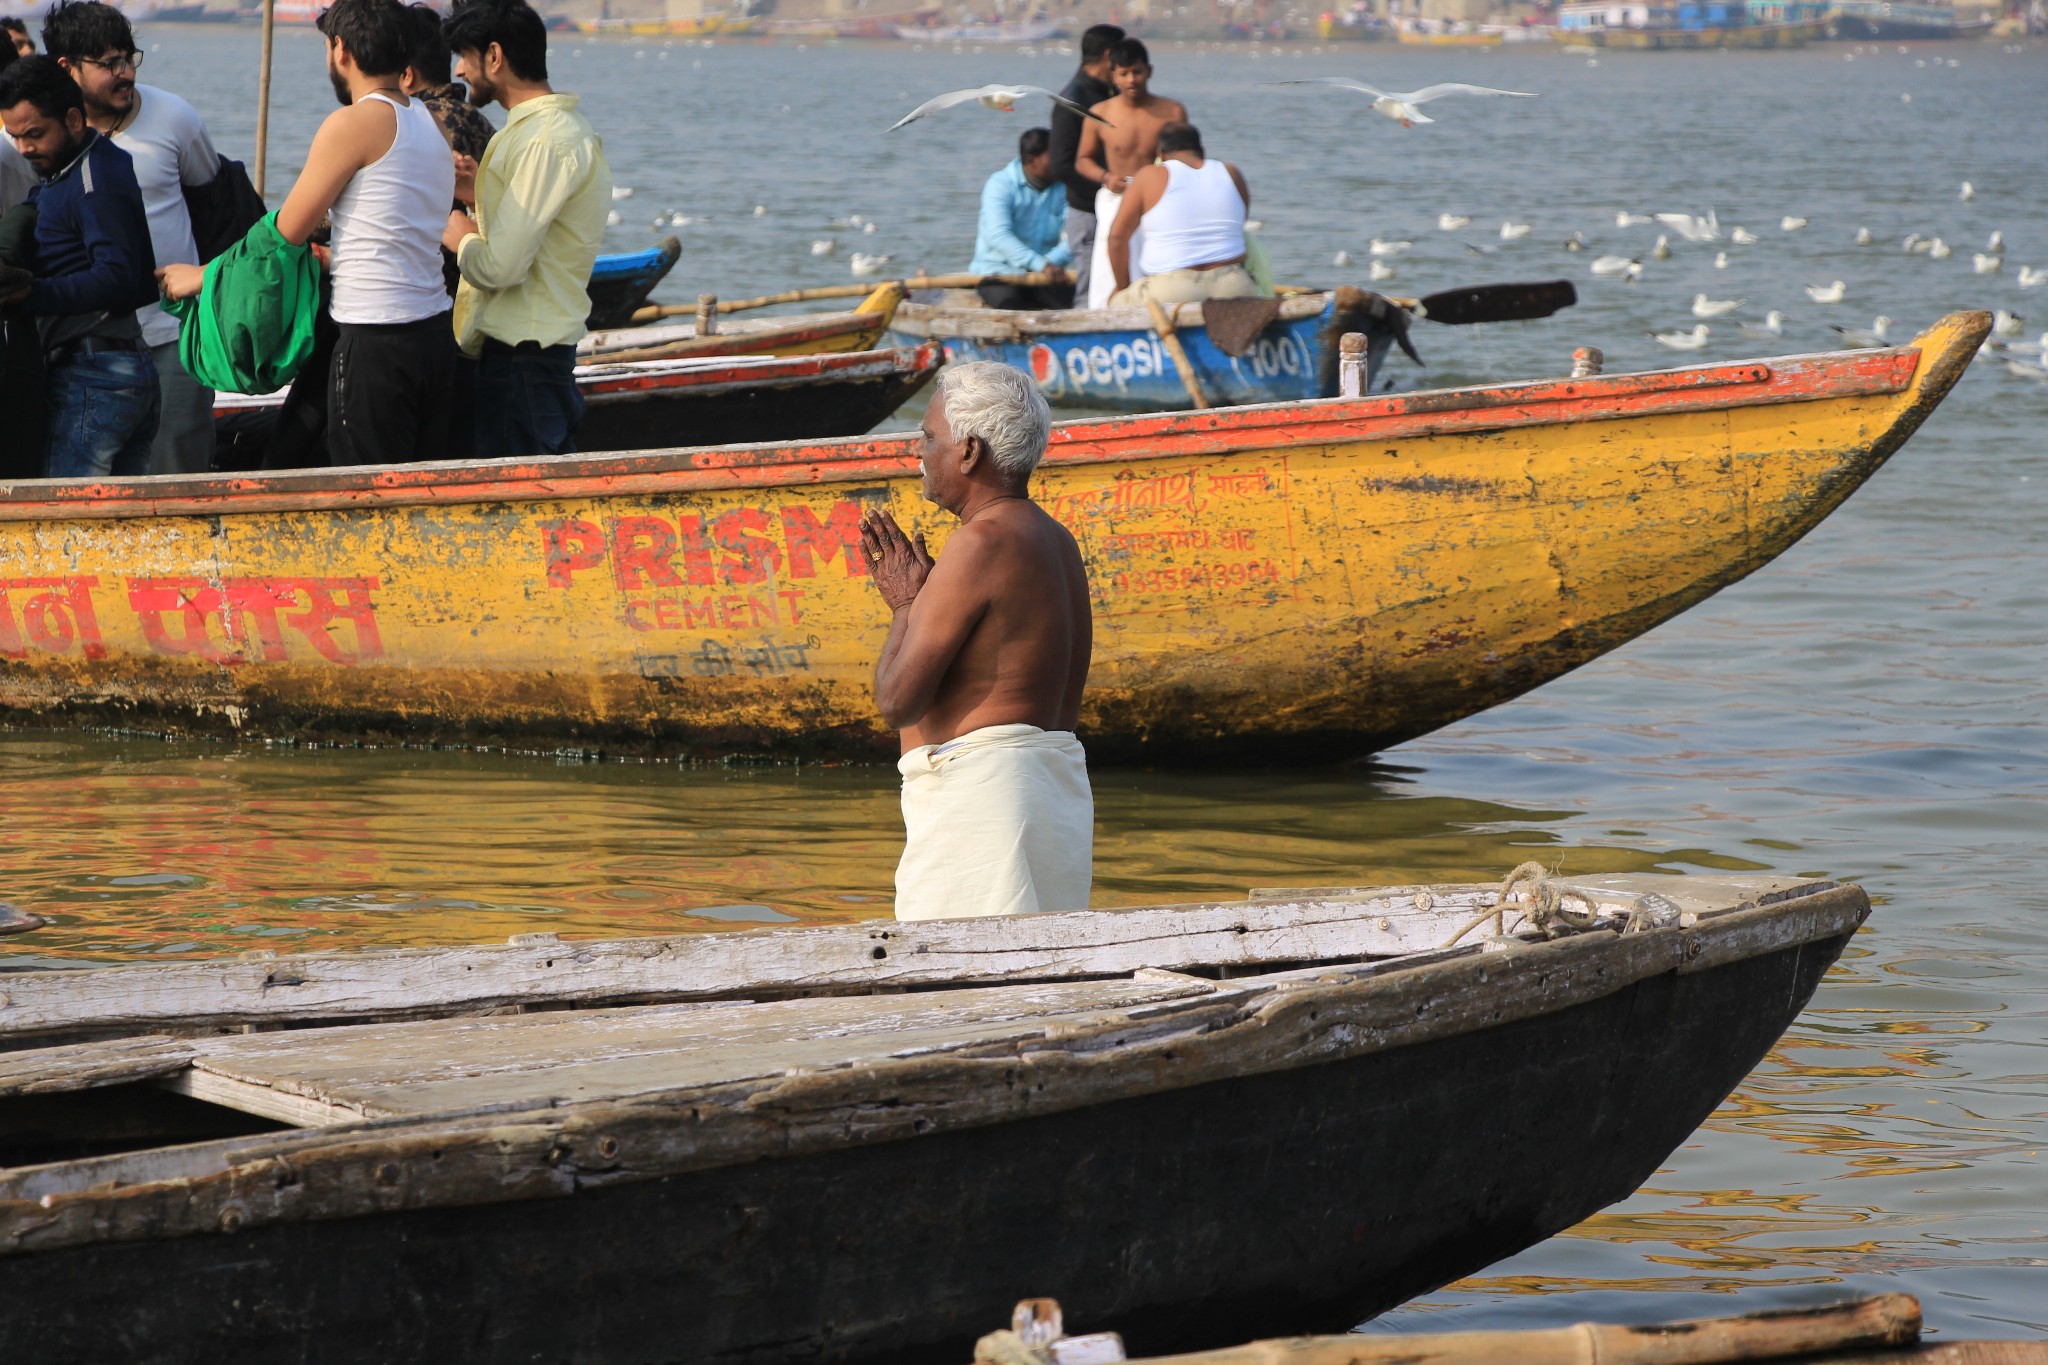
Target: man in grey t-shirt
[(171, 149)]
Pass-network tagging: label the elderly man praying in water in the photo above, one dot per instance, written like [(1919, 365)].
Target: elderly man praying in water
[(987, 653)]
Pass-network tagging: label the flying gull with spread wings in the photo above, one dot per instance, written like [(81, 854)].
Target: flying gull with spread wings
[(1400, 106), (1003, 97)]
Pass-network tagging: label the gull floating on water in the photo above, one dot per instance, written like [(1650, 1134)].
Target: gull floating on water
[(1683, 341), (1707, 229), (1451, 222), (824, 246), (760, 210), (1379, 270), (2006, 324), (621, 192), (1790, 224), (1514, 232), (1915, 242), (1995, 244), (1612, 265), (1865, 340), (1704, 307), (1627, 219), (1967, 193), (1341, 258), (1940, 250), (1773, 326), (1864, 237), (1720, 260), (1000, 97), (1575, 242), (1661, 251), (1986, 265), (1827, 293), (868, 265), (2030, 277), (1400, 105), (1380, 248), (1742, 236)]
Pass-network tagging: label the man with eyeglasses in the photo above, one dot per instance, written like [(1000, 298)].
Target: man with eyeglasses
[(169, 145)]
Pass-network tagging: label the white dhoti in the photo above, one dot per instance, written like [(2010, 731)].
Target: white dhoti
[(1000, 821), (1101, 284)]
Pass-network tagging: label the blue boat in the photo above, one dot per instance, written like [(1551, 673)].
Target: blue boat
[(1111, 360), (621, 282)]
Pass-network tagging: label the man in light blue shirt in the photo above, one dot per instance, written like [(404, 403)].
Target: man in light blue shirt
[(1023, 212)]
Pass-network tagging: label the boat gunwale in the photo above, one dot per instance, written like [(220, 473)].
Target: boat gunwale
[(1253, 1026), (892, 362), (943, 322), (1814, 377)]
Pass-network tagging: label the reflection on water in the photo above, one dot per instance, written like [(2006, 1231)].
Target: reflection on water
[(134, 847)]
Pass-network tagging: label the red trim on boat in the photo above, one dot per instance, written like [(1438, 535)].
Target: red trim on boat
[(1796, 379)]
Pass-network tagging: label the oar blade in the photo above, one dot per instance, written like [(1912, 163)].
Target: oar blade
[(1499, 302)]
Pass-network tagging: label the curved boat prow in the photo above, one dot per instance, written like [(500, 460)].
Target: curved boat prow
[(1946, 350)]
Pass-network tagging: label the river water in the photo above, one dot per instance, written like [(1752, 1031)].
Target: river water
[(1871, 706)]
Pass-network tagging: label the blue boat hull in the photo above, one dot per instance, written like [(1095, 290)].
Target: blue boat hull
[(1128, 369)]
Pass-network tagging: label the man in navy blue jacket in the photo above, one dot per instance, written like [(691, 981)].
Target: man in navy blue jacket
[(94, 268)]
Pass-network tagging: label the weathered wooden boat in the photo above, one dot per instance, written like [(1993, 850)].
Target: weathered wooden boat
[(1296, 582), (1112, 359), (621, 282), (785, 334), (713, 401), (1193, 1124)]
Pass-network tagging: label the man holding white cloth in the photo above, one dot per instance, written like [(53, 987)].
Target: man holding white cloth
[(987, 653)]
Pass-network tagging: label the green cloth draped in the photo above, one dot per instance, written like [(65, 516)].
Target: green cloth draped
[(250, 329)]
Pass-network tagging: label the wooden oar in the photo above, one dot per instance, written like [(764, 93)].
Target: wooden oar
[(1494, 302), (842, 291), (1163, 325)]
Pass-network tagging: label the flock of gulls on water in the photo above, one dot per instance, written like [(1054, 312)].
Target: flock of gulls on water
[(2022, 357)]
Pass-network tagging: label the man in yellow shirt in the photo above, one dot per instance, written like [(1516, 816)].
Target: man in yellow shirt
[(539, 199)]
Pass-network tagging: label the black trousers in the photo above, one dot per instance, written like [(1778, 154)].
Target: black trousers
[(390, 390), (1033, 298)]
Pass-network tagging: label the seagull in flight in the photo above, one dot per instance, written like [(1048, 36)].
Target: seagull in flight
[(1400, 105), (1003, 97)]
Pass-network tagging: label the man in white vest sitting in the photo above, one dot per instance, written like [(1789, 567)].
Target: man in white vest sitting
[(1193, 212)]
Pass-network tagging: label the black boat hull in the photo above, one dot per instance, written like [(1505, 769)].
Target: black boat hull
[(1285, 1202)]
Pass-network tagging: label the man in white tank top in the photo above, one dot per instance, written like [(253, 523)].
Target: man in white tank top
[(1193, 212), (381, 170)]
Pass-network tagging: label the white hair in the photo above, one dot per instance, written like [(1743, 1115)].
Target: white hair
[(1001, 405)]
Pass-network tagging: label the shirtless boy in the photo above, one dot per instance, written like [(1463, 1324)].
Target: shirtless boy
[(1110, 156)]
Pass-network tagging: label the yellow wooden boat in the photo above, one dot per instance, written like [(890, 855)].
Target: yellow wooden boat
[(860, 329), (1306, 579)]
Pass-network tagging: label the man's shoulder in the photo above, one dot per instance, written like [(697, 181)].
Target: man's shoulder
[(165, 107), (107, 168)]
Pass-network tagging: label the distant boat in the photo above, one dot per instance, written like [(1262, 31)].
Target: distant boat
[(1420, 33), (714, 401), (853, 26), (621, 282), (1864, 19), (1035, 32), (1686, 25)]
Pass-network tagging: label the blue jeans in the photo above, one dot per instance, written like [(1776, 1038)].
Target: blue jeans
[(527, 402), (103, 414)]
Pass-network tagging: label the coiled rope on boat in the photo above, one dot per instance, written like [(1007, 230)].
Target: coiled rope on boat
[(1548, 908)]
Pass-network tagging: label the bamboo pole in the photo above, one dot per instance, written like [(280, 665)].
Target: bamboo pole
[(1890, 1320), (1164, 327), (840, 291), (263, 93)]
